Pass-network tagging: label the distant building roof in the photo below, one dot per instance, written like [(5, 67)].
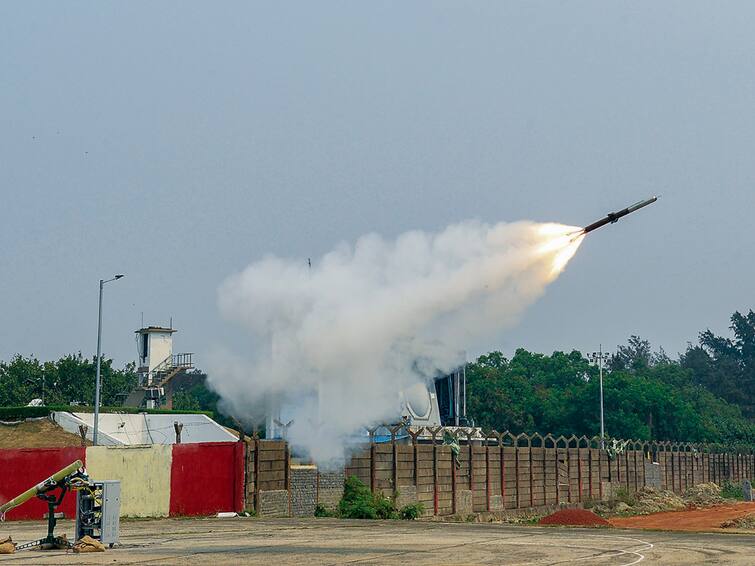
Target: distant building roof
[(146, 428), (147, 329)]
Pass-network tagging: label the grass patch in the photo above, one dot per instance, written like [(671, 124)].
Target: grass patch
[(732, 490)]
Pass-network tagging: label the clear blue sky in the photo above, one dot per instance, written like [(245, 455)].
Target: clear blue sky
[(177, 142)]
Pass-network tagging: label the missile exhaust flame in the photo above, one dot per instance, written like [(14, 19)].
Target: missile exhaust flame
[(563, 242)]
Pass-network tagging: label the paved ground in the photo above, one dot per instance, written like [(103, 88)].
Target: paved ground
[(706, 520), (327, 541)]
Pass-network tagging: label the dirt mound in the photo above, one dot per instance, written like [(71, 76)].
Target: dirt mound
[(574, 517), (36, 433), (644, 501), (650, 500), (704, 495), (746, 522), (703, 520)]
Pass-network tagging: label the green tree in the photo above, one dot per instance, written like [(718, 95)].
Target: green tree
[(68, 380), (726, 366), (647, 397)]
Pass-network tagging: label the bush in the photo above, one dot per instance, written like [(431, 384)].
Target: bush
[(623, 495), (322, 511), (732, 490), (358, 502), (412, 512)]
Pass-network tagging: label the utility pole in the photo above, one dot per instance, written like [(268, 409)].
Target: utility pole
[(99, 355)]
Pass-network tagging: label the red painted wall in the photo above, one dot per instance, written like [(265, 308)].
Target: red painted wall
[(26, 467), (207, 478)]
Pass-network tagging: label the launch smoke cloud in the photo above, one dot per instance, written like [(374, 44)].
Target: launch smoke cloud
[(336, 342)]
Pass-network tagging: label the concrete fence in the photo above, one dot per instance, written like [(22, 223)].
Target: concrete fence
[(450, 471), (156, 480), (472, 472)]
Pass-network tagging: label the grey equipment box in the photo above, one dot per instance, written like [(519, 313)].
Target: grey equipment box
[(98, 511)]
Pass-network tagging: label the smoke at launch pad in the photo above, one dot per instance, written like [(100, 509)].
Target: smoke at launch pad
[(355, 322)]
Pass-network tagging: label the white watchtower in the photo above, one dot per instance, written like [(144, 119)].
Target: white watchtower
[(155, 347), (157, 366)]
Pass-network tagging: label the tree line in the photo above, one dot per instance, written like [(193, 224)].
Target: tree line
[(69, 380), (707, 394)]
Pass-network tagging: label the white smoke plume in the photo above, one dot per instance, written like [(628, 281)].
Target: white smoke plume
[(337, 342)]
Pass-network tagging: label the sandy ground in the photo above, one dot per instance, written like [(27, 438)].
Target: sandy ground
[(276, 542), (706, 520)]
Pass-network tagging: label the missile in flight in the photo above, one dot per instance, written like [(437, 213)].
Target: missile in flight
[(612, 217)]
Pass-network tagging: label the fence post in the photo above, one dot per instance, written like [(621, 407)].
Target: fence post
[(600, 472), (394, 450), (568, 472), (558, 479), (545, 480), (453, 476), (486, 435), (532, 483), (589, 470), (516, 471), (579, 470), (673, 479), (468, 434), (371, 433), (434, 433), (503, 468), (256, 489), (415, 455), (178, 427)]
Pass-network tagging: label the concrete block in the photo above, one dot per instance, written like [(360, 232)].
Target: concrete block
[(303, 490), (330, 488), (464, 502), (407, 495), (653, 474), (273, 503), (496, 503)]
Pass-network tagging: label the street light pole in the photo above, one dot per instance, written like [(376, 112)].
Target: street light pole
[(599, 358), (602, 421), (99, 356)]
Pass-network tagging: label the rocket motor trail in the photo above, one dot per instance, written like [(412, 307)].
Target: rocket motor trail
[(357, 322)]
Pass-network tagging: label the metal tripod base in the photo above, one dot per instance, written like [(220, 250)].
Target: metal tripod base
[(47, 543), (50, 542)]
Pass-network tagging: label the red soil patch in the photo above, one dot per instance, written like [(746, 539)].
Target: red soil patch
[(574, 517), (709, 519)]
